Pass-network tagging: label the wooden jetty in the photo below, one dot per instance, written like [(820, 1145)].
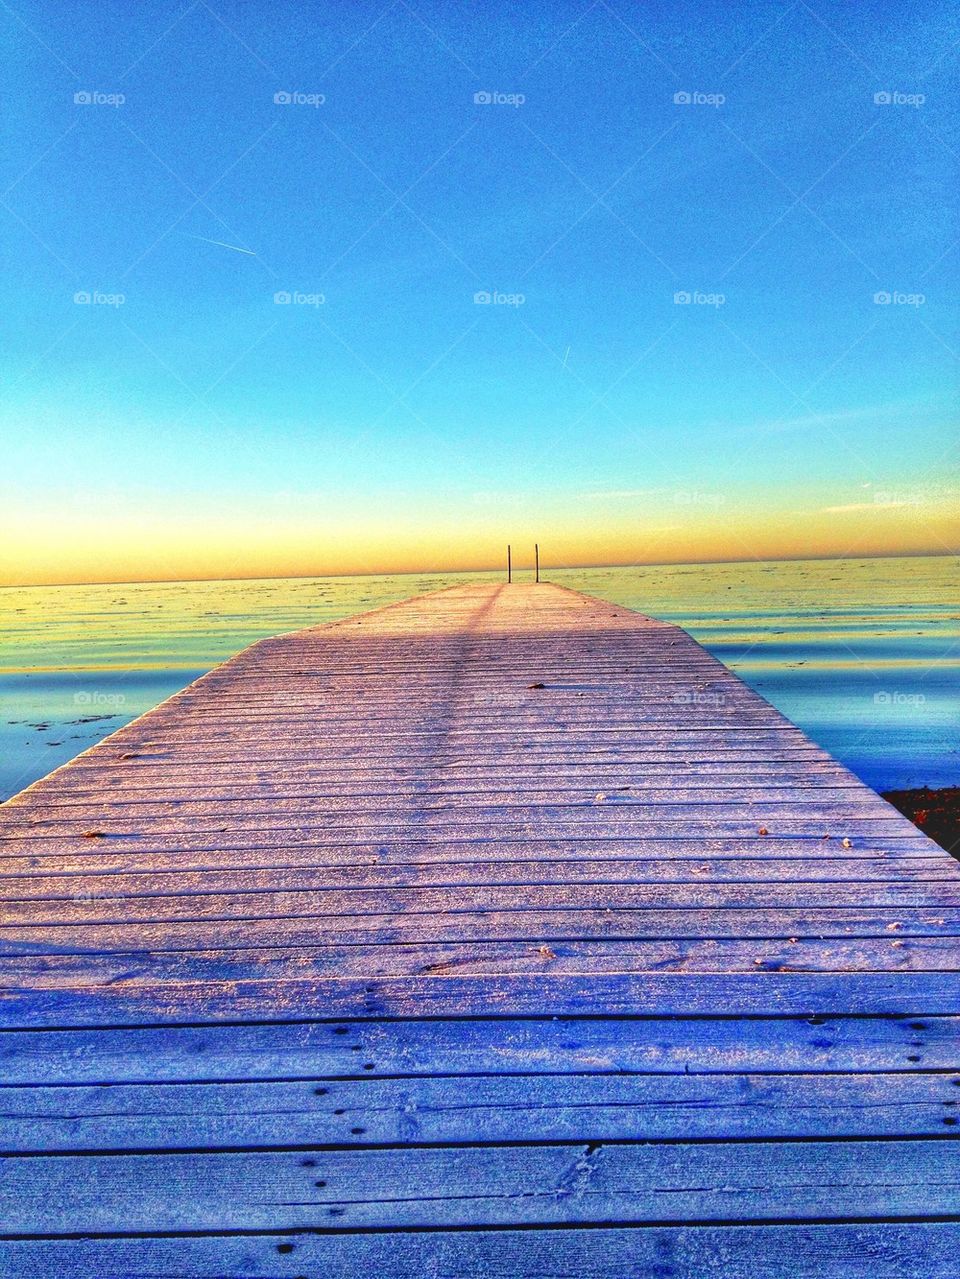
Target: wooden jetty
[(501, 932)]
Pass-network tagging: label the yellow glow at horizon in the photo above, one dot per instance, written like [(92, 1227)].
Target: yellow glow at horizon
[(78, 545)]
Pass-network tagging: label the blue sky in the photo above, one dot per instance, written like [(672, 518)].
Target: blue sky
[(399, 422)]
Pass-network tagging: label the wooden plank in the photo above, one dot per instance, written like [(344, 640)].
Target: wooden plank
[(479, 1185), (471, 1109), (287, 760), (932, 895), (188, 798), (189, 802), (789, 929), (416, 1047), (94, 879), (578, 823), (48, 853), (52, 969), (895, 1250), (149, 775), (258, 998)]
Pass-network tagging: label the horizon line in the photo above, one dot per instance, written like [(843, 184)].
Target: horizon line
[(497, 568)]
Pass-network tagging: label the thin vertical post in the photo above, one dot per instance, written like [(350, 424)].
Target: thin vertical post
[(509, 565), (536, 557)]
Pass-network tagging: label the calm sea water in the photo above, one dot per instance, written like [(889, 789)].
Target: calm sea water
[(862, 654)]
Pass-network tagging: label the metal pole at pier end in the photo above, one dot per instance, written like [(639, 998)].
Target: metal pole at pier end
[(509, 566), (536, 558)]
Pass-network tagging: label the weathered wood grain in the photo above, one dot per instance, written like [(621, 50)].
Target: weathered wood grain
[(882, 1251), (521, 1046), (524, 941), (132, 970), (383, 902), (94, 879), (211, 999), (475, 1109), (397, 1188)]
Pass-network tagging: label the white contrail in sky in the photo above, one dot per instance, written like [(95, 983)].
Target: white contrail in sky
[(222, 243)]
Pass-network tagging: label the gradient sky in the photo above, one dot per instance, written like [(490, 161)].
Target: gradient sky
[(201, 429)]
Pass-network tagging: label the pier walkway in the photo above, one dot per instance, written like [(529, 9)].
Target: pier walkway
[(502, 932)]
